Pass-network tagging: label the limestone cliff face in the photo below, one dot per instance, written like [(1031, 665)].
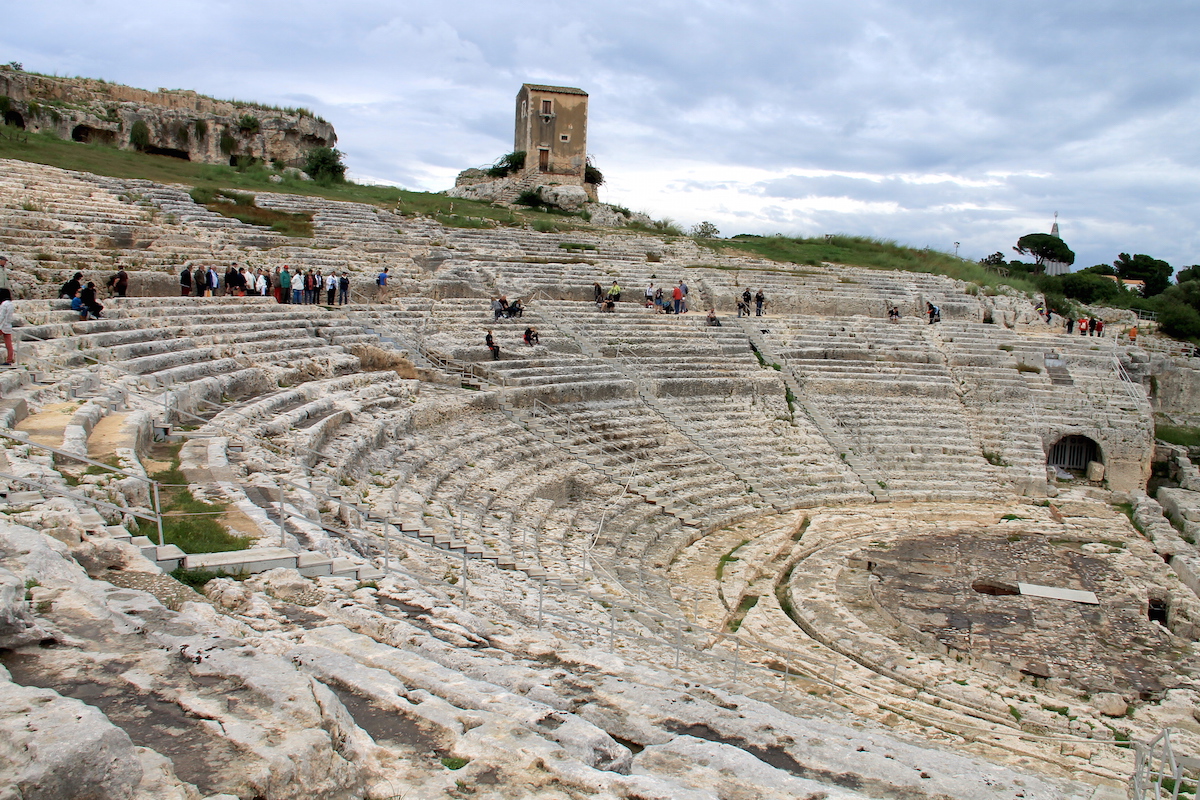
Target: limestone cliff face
[(178, 122)]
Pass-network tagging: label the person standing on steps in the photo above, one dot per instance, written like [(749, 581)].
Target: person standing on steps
[(683, 287), (185, 282), (344, 289), (331, 286), (7, 310), (649, 294), (285, 286), (598, 292), (677, 298), (381, 280), (491, 345), (746, 298), (759, 300), (1070, 324)]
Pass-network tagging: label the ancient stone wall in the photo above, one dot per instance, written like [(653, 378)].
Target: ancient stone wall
[(178, 123)]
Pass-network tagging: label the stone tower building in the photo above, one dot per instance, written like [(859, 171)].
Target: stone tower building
[(551, 127)]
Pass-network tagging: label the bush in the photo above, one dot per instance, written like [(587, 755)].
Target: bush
[(1091, 288), (528, 198), (705, 230), (508, 164), (139, 135), (1179, 320), (228, 143), (249, 124), (593, 176), (201, 129), (325, 164)]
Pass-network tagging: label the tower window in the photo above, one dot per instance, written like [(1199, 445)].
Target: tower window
[(547, 107), (564, 137)]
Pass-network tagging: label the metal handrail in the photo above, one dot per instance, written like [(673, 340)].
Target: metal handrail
[(154, 485)]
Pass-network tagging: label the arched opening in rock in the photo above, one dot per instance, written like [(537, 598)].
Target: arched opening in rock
[(1158, 609), (995, 588), (14, 118), (90, 135), (168, 151), (1073, 453)]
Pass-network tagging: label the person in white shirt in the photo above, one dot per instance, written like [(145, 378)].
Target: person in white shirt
[(331, 285), (6, 325)]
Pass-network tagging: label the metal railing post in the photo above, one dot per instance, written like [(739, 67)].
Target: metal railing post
[(158, 514)]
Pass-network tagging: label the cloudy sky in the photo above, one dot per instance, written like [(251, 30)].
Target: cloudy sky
[(929, 122)]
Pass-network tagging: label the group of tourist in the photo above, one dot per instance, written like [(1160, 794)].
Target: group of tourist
[(502, 309), (84, 297), (743, 303), (1089, 326), (287, 286)]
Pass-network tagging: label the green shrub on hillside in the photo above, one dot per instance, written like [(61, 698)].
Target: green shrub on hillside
[(249, 124), (139, 135), (325, 164), (507, 165)]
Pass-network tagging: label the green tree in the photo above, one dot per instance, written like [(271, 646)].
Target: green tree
[(1088, 287), (705, 230), (1100, 269), (325, 164), (996, 259), (1179, 320), (1186, 274), (1141, 267), (139, 135), (1044, 247)]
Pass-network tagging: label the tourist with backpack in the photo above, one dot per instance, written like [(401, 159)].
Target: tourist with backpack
[(381, 280)]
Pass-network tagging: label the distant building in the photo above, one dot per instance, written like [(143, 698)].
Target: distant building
[(551, 128), (1056, 267), (1132, 285)]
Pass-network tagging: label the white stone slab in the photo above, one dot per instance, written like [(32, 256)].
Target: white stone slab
[(1055, 593)]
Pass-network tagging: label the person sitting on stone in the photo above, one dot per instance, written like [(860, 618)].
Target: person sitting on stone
[(893, 314), (491, 345), (531, 337), (515, 309), (712, 318), (72, 287), (88, 296), (614, 293)]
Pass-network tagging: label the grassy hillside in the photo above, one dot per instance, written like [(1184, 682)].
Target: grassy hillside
[(209, 178), (861, 251), (101, 160)]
